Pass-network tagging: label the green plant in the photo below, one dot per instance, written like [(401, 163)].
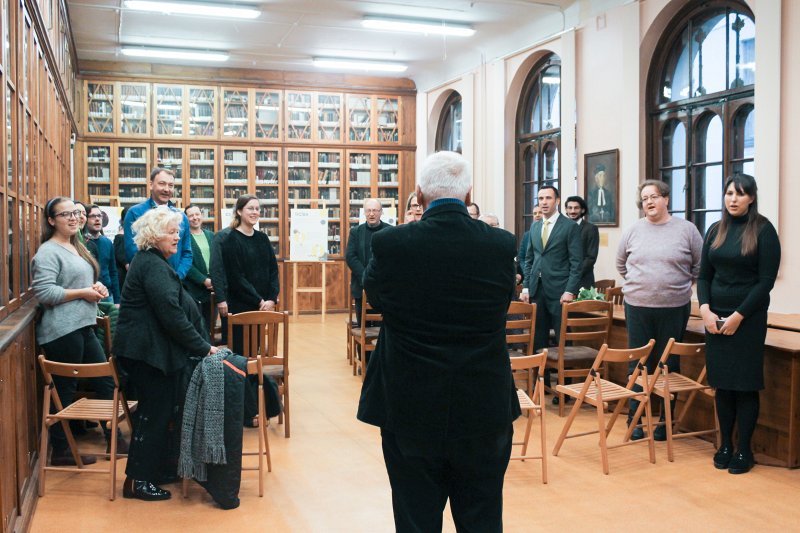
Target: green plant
[(590, 294)]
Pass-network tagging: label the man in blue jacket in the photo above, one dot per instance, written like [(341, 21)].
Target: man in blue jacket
[(162, 186)]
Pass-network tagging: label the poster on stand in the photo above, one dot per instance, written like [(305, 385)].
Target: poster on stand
[(308, 235)]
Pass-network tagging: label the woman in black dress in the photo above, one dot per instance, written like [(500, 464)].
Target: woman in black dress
[(740, 261)]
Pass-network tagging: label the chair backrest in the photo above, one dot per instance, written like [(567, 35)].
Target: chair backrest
[(368, 313), (615, 295), (623, 355), (521, 325), (602, 285), (77, 370), (104, 323), (260, 333), (683, 349), (527, 362), (592, 323)]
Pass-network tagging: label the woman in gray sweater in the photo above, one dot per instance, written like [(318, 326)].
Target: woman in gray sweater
[(64, 279), (659, 258)]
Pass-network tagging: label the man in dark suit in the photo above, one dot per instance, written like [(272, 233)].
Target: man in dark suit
[(576, 209), (439, 383), (359, 248), (552, 265)]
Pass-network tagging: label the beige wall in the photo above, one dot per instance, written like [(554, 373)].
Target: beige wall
[(605, 58)]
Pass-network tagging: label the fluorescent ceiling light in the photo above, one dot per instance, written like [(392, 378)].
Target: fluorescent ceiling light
[(175, 53), (194, 8), (439, 27), (358, 64)]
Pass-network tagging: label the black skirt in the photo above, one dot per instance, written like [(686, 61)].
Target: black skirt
[(736, 362)]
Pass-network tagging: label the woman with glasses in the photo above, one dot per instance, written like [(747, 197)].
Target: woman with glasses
[(740, 261), (413, 209), (64, 278), (659, 259)]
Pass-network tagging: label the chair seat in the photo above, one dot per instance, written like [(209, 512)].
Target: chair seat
[(86, 409), (677, 383), (574, 354), (371, 332), (611, 391), (525, 401)]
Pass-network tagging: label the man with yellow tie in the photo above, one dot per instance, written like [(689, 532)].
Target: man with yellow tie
[(552, 265)]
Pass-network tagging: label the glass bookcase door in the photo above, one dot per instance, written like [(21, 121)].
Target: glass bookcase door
[(329, 192), (235, 105), (268, 192), (100, 107), (134, 111), (169, 110), (298, 116), (388, 111), (359, 118), (388, 179), (98, 169), (359, 183), (329, 117), (202, 177), (267, 109), (132, 174), (202, 116), (171, 158), (234, 175), (298, 178)]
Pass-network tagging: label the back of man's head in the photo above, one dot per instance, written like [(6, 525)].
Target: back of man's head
[(445, 175)]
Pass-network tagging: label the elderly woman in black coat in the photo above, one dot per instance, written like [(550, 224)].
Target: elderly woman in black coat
[(159, 329)]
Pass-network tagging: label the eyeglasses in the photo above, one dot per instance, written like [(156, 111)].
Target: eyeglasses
[(69, 214), (369, 211), (652, 197), (96, 215), (416, 206)]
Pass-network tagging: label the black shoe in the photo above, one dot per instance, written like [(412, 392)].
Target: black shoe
[(65, 458), (741, 463), (660, 433), (638, 434), (144, 490), (723, 457), (122, 446), (567, 399)]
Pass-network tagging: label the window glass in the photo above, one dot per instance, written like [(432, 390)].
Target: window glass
[(551, 98), (741, 50), (708, 55), (676, 80)]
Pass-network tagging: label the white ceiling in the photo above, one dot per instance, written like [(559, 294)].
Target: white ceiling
[(290, 32)]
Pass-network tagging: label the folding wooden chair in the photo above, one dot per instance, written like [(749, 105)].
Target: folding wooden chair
[(351, 324), (533, 405), (213, 329), (114, 411), (583, 321), (260, 336), (255, 367), (104, 323), (668, 385), (598, 392), (520, 328), (602, 285), (364, 336), (615, 296)]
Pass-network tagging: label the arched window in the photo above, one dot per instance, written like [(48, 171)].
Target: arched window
[(700, 103), (449, 134), (538, 136)]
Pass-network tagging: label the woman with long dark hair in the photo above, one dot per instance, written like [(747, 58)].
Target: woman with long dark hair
[(739, 265), (64, 278)]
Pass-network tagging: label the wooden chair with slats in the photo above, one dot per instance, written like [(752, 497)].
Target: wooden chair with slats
[(104, 323), (213, 328), (113, 411), (255, 367), (599, 392), (668, 385), (260, 333), (351, 323), (364, 336), (533, 405), (602, 285), (586, 321), (615, 296), (520, 329)]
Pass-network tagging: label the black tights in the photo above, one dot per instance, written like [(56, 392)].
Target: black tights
[(741, 408)]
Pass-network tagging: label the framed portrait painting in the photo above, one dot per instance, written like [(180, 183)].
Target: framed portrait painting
[(601, 186)]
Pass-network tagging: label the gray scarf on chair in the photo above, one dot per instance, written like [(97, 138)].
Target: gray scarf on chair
[(202, 432)]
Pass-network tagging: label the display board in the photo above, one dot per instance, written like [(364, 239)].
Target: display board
[(308, 236)]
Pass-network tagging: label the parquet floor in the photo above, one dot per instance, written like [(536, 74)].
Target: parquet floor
[(329, 476)]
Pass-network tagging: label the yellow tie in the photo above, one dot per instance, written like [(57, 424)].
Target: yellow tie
[(545, 233)]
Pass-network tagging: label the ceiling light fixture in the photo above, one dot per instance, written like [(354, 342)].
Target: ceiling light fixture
[(175, 53), (438, 27), (194, 8), (358, 64)]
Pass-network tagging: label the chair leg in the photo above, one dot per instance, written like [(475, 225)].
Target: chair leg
[(634, 421), (601, 429), (543, 437), (650, 440), (528, 426), (572, 414), (668, 420), (44, 442), (185, 487), (286, 410), (561, 396), (113, 459)]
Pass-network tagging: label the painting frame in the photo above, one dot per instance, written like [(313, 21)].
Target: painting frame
[(601, 187)]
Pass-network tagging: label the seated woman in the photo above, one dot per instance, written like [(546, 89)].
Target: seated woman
[(159, 329)]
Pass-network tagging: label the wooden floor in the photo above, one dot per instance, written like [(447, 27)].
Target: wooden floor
[(329, 476)]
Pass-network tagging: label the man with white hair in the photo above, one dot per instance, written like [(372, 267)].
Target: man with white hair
[(439, 382), (359, 248), (490, 219)]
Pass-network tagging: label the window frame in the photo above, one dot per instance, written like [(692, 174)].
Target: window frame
[(445, 119)]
